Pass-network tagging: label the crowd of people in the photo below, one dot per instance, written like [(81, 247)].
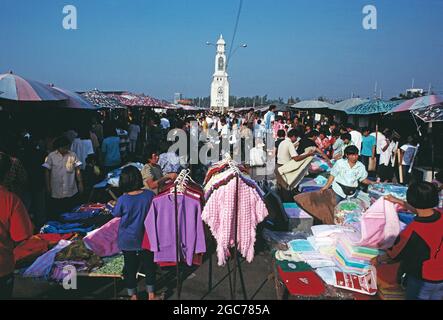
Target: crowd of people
[(44, 176)]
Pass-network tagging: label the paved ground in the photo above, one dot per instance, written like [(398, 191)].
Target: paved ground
[(257, 276)]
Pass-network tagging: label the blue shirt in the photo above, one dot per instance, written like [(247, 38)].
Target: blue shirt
[(366, 145), (111, 151), (133, 210), (269, 117)]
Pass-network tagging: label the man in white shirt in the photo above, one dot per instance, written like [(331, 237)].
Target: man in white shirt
[(209, 121), (356, 136), (63, 177), (286, 150)]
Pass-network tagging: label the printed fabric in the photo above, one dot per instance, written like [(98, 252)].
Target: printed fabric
[(42, 266)]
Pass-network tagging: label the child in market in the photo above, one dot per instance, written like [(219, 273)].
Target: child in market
[(133, 207), (419, 246)]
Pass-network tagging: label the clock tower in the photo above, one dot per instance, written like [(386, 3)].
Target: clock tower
[(220, 84)]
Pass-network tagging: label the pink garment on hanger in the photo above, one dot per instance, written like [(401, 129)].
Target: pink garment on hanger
[(219, 213), (103, 241), (380, 225)]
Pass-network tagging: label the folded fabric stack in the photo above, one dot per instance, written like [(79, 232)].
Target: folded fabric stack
[(383, 189), (299, 220), (62, 228), (318, 165), (301, 250), (353, 258), (83, 212), (309, 184), (387, 284)]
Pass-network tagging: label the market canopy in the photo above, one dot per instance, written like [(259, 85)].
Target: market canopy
[(433, 113), (101, 100), (75, 101), (418, 103), (15, 88), (312, 104), (373, 107), (189, 108), (347, 104), (135, 100)]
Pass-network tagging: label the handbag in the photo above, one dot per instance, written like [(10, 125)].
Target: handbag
[(349, 191), (372, 164)]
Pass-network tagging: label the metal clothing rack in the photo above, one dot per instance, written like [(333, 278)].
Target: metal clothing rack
[(179, 186), (233, 280)]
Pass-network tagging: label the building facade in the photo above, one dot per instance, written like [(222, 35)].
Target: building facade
[(220, 83)]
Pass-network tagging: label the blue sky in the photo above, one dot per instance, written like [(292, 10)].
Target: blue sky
[(300, 48)]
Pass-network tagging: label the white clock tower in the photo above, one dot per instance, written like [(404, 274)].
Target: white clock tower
[(220, 84)]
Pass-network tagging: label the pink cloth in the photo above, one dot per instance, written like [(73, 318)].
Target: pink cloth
[(103, 241), (380, 225), (277, 126), (219, 215)]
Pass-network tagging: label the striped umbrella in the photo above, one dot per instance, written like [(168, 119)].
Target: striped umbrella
[(373, 107), (76, 101), (13, 87), (433, 113), (418, 103)]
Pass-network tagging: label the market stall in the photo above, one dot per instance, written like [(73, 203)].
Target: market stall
[(331, 259)]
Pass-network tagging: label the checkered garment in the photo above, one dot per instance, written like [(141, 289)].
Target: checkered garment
[(219, 214)]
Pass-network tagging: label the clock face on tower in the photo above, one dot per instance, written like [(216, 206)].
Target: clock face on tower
[(220, 90)]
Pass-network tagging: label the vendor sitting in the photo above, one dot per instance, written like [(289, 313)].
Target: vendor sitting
[(153, 177), (346, 175), (286, 150), (419, 246)]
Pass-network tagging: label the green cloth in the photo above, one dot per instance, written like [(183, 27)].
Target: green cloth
[(112, 266), (77, 251), (291, 266)]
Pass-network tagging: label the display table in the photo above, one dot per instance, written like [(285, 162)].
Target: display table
[(330, 293)]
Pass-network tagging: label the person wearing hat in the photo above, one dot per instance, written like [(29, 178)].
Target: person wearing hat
[(346, 174)]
